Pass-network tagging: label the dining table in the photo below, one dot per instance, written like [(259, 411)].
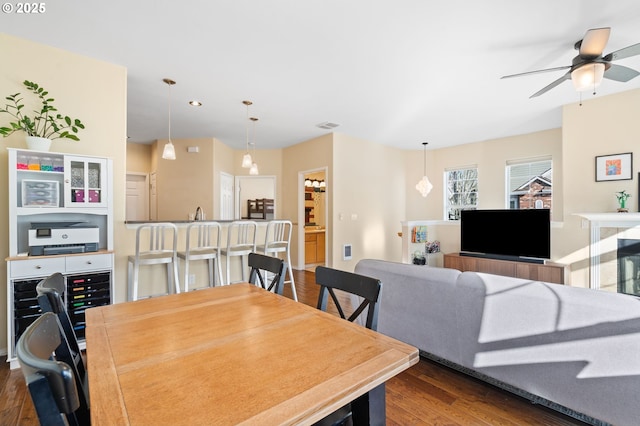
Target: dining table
[(234, 354)]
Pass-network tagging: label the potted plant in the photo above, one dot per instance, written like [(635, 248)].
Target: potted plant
[(44, 125), (622, 200)]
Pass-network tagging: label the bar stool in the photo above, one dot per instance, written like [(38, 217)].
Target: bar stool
[(162, 242), (203, 243), (241, 240), (277, 240)]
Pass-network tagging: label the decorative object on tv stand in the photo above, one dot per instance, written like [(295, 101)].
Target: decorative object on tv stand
[(169, 151), (622, 197), (424, 186), (246, 158), (45, 125)]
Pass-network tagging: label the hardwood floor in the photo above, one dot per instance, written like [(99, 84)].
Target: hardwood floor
[(425, 394)]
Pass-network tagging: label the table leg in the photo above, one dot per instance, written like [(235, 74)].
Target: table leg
[(370, 409)]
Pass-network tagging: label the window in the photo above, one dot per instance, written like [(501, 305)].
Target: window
[(462, 191), (529, 184)]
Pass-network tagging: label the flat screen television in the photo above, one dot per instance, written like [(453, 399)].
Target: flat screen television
[(523, 235)]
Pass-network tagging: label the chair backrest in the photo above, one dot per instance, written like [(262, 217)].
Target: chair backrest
[(278, 235), (156, 238), (51, 382), (260, 262), (242, 232), (365, 287), (203, 235), (50, 292)]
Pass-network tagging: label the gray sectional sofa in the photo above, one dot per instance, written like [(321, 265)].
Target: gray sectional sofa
[(573, 349)]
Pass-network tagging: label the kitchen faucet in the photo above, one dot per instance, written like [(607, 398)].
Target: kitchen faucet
[(199, 214)]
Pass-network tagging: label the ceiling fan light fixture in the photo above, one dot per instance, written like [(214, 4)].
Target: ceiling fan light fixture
[(587, 76)]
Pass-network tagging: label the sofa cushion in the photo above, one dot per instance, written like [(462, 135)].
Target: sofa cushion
[(574, 346)]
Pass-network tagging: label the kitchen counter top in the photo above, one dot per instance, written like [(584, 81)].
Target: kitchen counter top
[(314, 231)]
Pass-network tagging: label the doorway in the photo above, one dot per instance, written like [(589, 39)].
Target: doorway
[(252, 188), (313, 219)]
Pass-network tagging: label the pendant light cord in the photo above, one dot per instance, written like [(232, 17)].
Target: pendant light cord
[(424, 169)]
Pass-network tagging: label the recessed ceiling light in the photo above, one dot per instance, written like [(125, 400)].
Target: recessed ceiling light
[(195, 103)]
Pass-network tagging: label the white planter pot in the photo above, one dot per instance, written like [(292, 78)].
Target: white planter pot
[(38, 144)]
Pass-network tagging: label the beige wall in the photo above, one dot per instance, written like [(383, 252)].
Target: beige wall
[(83, 88), (186, 183), (138, 158), (367, 205), (601, 126), (309, 155)]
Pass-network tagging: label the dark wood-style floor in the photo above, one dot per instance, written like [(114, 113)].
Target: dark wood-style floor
[(425, 394)]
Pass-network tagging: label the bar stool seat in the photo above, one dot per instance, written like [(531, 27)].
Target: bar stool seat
[(162, 249), (241, 240), (203, 243), (278, 240)]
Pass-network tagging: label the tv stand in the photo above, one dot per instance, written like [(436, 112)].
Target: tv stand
[(503, 257), (549, 272)]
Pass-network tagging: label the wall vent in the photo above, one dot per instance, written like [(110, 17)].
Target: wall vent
[(327, 125), (346, 252)]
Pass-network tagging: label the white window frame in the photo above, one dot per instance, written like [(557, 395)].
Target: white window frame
[(446, 202), (525, 161)]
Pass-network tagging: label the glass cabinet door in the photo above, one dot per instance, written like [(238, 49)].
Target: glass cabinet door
[(85, 182)]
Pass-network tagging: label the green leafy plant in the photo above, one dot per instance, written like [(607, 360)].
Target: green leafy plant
[(45, 123), (622, 197)]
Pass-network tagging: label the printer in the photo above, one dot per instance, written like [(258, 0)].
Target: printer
[(47, 238)]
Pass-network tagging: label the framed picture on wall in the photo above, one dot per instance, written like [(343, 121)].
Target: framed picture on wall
[(614, 167)]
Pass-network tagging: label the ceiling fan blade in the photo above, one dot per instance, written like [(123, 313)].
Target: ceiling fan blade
[(620, 73), (625, 52), (536, 72), (545, 89), (594, 42)]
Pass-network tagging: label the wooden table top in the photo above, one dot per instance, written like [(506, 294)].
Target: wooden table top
[(234, 354)]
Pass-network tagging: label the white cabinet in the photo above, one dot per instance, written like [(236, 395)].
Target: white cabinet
[(85, 182), (56, 187), (52, 187)]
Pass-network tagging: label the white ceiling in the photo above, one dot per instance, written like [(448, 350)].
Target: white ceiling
[(398, 72)]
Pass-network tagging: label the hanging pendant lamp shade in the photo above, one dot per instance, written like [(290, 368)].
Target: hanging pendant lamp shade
[(254, 166), (169, 151), (424, 186), (254, 170), (246, 158)]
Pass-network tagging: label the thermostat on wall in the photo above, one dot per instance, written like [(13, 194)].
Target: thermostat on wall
[(346, 252)]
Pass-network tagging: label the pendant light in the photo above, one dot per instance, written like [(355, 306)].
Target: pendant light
[(424, 186), (254, 166), (169, 151), (246, 158)]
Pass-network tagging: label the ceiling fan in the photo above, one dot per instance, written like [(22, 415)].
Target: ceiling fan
[(589, 67)]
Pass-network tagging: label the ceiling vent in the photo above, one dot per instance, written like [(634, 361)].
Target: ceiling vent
[(327, 125)]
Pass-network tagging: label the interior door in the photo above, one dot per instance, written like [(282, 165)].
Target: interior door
[(137, 196), (226, 196)]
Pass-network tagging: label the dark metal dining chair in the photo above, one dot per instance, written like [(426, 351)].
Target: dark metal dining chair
[(371, 404), (51, 382), (260, 263), (50, 299), (365, 287)]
